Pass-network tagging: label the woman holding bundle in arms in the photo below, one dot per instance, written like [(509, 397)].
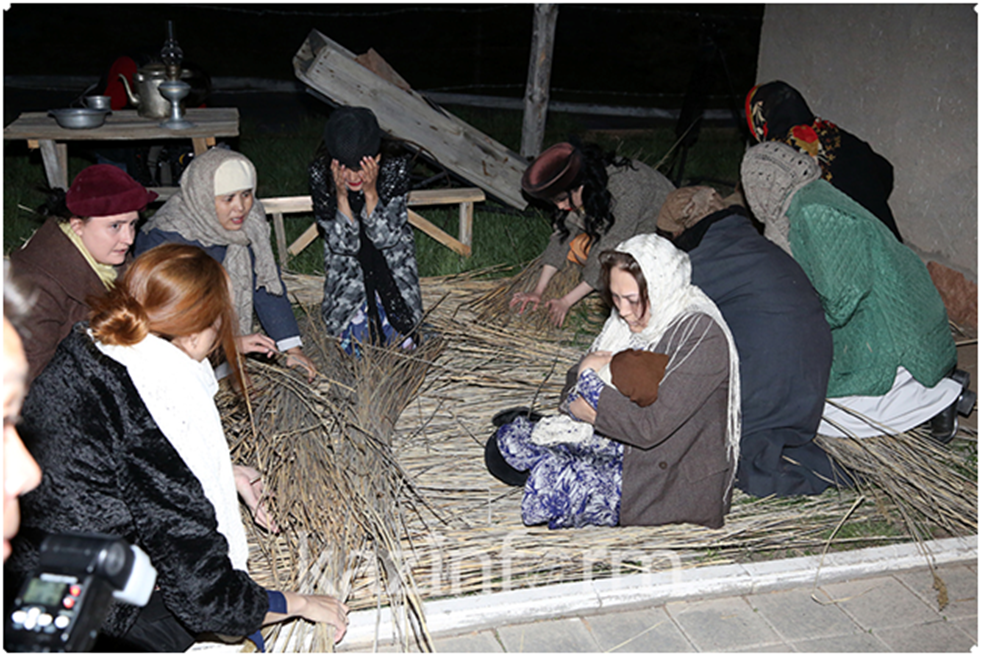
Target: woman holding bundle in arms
[(216, 209), (123, 423), (599, 201), (648, 430)]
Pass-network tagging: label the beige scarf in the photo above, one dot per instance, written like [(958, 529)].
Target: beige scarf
[(191, 213), (106, 272)]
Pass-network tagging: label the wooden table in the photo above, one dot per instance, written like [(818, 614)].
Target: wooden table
[(41, 131)]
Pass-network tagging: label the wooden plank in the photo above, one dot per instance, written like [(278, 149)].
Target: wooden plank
[(539, 76), (126, 124), (280, 231), (55, 168), (446, 196), (466, 223), (434, 231), (303, 240), (331, 70), (438, 234), (287, 204)]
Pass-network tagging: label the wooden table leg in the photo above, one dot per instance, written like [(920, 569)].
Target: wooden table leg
[(201, 144), (55, 159), (466, 223), (280, 232)]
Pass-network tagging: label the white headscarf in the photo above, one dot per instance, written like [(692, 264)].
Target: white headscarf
[(672, 297), (191, 213), (771, 173)]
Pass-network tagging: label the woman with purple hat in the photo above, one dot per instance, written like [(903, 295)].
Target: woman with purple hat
[(77, 253), (599, 201), (371, 279)]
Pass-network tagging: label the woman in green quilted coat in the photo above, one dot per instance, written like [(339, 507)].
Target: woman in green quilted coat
[(893, 349)]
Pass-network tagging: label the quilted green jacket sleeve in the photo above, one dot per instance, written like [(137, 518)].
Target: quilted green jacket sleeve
[(878, 298)]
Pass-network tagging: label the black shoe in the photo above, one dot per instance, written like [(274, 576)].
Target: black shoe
[(943, 427), (499, 467), (507, 416), (967, 399)]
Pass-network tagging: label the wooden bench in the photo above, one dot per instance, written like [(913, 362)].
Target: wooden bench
[(465, 198)]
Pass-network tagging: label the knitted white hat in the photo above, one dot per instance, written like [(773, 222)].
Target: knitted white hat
[(772, 172)]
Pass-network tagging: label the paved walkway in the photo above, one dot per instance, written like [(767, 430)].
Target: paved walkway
[(870, 600)]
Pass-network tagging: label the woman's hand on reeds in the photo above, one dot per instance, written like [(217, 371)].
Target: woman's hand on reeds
[(524, 298), (295, 357), (316, 608), (557, 309), (256, 343), (249, 484)]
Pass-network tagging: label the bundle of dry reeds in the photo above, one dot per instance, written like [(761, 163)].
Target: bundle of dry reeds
[(339, 494)]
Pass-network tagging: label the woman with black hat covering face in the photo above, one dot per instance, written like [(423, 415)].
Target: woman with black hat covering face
[(599, 201), (77, 254), (371, 285)]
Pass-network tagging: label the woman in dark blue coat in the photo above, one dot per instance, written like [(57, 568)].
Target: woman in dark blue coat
[(779, 328)]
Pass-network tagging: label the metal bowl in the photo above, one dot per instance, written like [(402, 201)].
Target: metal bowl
[(79, 118)]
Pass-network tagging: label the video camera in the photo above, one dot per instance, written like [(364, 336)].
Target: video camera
[(62, 605)]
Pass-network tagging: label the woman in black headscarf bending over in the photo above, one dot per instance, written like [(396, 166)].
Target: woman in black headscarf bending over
[(778, 112)]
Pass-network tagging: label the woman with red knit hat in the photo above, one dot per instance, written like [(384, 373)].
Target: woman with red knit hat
[(77, 253)]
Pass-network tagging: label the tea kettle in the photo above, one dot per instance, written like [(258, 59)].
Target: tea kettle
[(146, 97)]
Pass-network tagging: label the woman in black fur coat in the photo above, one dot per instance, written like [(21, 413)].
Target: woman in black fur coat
[(124, 426)]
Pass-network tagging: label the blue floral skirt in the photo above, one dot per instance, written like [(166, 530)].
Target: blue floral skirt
[(569, 485)]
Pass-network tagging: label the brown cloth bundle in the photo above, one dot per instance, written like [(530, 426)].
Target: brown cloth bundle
[(638, 374), (685, 207)]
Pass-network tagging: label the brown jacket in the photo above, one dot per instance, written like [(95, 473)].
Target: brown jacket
[(52, 268), (675, 467)]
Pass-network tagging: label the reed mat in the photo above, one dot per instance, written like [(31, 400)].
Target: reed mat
[(379, 483)]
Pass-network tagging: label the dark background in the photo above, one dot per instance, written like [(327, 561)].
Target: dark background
[(634, 55)]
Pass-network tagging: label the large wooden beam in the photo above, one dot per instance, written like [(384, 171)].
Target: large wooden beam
[(331, 70), (539, 79)]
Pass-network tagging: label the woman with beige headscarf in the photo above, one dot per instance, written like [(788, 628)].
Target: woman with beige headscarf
[(778, 325), (216, 210)]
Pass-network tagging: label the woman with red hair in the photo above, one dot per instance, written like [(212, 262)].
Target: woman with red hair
[(123, 423)]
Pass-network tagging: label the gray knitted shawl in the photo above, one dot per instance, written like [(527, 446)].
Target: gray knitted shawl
[(772, 172), (191, 214)]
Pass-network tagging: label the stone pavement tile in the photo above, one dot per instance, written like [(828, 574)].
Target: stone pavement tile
[(961, 583), (932, 637), (858, 642), (775, 648), (796, 616), (476, 642), (879, 602), (565, 635), (649, 630), (968, 625), (721, 624)]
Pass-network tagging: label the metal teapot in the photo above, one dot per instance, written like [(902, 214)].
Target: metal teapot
[(146, 97)]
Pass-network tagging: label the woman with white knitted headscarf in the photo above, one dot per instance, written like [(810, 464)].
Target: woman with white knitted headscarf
[(893, 351), (660, 453), (216, 209)]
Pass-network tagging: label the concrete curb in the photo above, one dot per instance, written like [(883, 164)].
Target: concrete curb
[(447, 616)]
